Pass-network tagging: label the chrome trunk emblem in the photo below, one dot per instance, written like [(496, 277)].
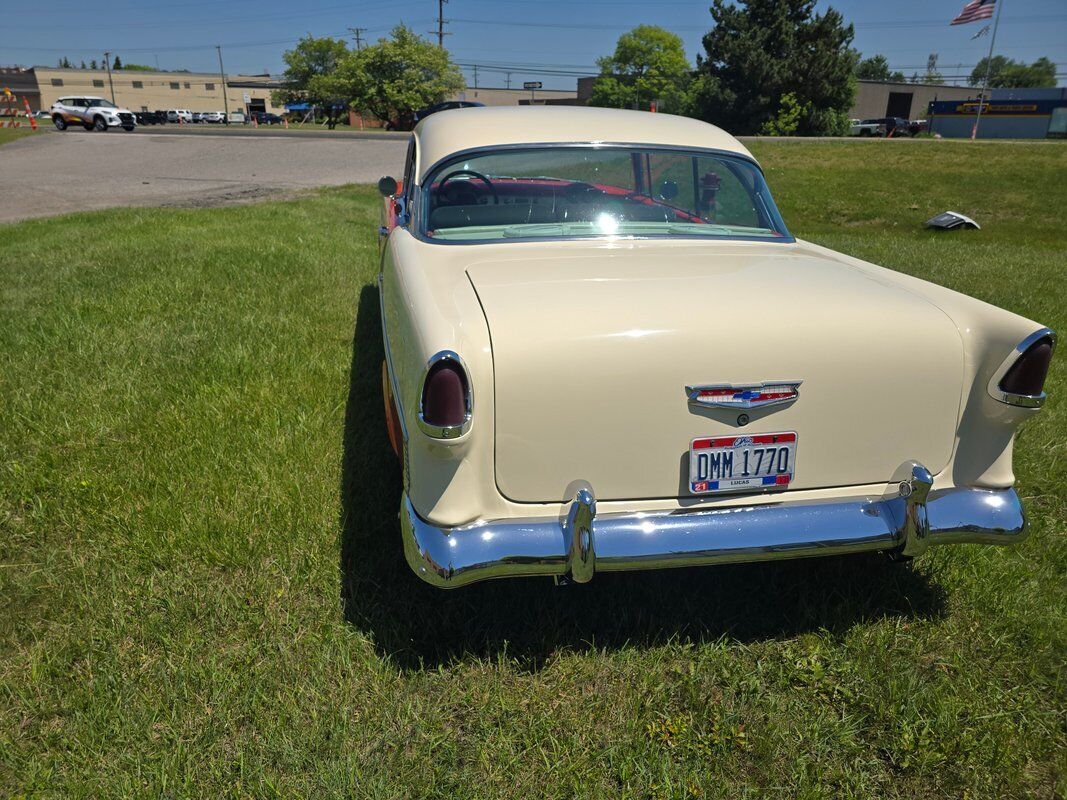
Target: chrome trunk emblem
[(744, 395)]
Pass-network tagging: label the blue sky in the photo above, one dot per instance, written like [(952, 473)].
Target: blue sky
[(533, 39)]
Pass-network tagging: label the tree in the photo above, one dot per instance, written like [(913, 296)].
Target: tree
[(876, 68), (308, 68), (64, 63), (138, 68), (648, 64), (393, 78), (1007, 73), (83, 65), (92, 64), (761, 51), (117, 63)]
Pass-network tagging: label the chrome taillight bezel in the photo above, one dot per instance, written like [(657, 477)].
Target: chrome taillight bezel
[(446, 431), (1021, 400)]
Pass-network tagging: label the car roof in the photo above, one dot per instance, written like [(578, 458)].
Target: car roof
[(449, 132)]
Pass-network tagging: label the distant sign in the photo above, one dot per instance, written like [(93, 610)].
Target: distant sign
[(248, 97), (531, 85)]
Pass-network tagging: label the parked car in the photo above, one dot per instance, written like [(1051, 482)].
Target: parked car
[(236, 118), (179, 115), (892, 126), (266, 118), (604, 351), (214, 117), (149, 118), (448, 105), (92, 113), (868, 127), (422, 113), (917, 126)]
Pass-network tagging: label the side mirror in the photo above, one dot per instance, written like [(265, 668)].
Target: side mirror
[(668, 190), (387, 186)]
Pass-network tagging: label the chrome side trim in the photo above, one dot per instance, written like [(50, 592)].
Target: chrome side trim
[(1023, 400), (452, 557), (446, 431)]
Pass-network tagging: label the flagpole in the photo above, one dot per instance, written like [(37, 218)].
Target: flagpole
[(988, 69)]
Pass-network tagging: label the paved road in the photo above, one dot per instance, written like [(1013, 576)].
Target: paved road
[(56, 173)]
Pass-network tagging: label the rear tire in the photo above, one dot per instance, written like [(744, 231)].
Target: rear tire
[(87, 125), (127, 127), (99, 124), (59, 122)]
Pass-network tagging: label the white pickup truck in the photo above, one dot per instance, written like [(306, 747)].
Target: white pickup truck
[(867, 127), (92, 113)]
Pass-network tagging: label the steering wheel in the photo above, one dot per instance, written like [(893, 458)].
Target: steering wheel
[(476, 175)]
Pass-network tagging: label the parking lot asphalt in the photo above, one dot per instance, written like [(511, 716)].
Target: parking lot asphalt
[(57, 173)]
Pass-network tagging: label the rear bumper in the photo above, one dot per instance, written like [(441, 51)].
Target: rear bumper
[(909, 516)]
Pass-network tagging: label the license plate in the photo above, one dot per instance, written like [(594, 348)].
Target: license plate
[(759, 462)]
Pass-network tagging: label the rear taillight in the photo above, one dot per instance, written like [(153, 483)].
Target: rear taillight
[(1023, 383), (445, 410)]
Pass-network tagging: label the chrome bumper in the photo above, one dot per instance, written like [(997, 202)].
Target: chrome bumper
[(909, 516)]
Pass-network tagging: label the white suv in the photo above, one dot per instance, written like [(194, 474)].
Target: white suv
[(179, 115), (93, 113)]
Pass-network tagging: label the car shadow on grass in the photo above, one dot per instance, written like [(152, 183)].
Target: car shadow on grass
[(527, 620)]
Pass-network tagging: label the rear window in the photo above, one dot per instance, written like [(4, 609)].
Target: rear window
[(590, 191)]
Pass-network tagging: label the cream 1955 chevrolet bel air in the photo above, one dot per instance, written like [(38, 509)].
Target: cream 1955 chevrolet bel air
[(605, 351)]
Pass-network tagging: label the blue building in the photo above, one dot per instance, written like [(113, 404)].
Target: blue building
[(1009, 114)]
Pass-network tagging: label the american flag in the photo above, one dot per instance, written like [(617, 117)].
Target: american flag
[(975, 10)]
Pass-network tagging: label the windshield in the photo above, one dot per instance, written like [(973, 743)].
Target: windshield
[(96, 102), (566, 192)]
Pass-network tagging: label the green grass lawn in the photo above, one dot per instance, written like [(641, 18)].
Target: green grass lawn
[(202, 592), (11, 134)]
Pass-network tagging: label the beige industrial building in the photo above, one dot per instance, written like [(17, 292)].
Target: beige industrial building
[(142, 91), (876, 99)]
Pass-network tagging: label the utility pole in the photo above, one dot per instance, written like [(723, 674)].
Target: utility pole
[(441, 22), (356, 34), (475, 76), (107, 63), (508, 79), (222, 75)]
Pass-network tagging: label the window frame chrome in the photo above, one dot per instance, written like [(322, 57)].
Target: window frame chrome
[(446, 432), (419, 198), (1010, 398)]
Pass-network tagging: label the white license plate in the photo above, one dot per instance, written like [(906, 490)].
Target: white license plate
[(757, 462)]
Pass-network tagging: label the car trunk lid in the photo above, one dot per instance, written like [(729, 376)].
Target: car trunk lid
[(593, 351)]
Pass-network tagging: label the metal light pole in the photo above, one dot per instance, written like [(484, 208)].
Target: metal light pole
[(107, 63), (222, 74), (988, 70)]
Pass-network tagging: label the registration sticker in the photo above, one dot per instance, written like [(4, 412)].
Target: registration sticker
[(759, 462)]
